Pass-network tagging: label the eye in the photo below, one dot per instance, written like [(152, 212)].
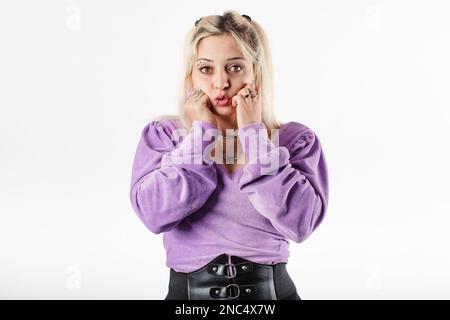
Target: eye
[(236, 65), (233, 66), (202, 69)]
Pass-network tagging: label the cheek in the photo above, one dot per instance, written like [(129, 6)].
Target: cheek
[(198, 80), (248, 77)]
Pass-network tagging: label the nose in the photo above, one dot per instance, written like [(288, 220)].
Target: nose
[(221, 80)]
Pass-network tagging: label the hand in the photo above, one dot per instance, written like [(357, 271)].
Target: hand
[(197, 107), (248, 109)]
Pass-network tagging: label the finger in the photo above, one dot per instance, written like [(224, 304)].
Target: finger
[(239, 100), (244, 88), (244, 91), (205, 98), (250, 92), (197, 93), (253, 92), (256, 89)]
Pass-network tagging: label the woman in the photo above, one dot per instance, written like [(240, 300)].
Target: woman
[(227, 224)]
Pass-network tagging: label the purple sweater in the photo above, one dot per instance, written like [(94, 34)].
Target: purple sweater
[(204, 211)]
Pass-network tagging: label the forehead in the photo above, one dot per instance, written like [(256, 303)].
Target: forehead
[(218, 48)]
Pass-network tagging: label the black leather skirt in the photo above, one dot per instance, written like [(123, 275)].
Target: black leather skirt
[(233, 278)]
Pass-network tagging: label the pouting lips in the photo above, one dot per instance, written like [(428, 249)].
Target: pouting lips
[(221, 97), (223, 102)]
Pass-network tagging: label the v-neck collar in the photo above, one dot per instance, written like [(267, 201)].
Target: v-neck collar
[(231, 175)]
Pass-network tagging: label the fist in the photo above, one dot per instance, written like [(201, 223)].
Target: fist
[(248, 105), (198, 107)]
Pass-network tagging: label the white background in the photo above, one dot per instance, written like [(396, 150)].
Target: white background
[(80, 79)]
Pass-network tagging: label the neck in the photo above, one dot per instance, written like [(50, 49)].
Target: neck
[(225, 123)]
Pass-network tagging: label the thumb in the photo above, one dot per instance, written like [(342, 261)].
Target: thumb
[(205, 99), (233, 101)]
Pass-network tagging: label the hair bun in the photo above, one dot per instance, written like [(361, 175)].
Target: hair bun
[(247, 17), (244, 15), (196, 22)]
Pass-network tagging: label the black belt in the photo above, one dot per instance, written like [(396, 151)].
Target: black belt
[(239, 279)]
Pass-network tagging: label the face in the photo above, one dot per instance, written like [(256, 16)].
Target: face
[(224, 73)]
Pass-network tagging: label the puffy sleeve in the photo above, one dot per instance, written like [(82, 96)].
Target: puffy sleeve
[(169, 181), (288, 186)]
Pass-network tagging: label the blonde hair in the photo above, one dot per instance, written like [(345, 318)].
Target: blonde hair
[(252, 41)]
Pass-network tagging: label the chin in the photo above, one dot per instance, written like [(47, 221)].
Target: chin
[(224, 110)]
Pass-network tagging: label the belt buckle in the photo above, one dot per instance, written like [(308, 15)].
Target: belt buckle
[(238, 291), (234, 272)]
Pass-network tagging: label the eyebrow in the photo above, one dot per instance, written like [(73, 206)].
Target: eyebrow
[(234, 58)]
